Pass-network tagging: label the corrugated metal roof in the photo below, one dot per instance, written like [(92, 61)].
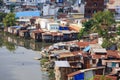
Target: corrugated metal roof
[(27, 14), (62, 64), (83, 70), (59, 51), (95, 46), (99, 50)]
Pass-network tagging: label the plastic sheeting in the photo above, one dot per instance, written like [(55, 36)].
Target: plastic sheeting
[(87, 48), (88, 75), (79, 76), (63, 28)]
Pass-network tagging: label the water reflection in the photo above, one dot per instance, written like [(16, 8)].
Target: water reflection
[(21, 64), (11, 42), (1, 42)]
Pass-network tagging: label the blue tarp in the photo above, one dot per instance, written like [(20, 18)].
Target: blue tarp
[(63, 28), (87, 48), (27, 14), (79, 76), (17, 26), (60, 1)]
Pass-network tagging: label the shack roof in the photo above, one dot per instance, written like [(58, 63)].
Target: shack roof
[(59, 51), (117, 61), (62, 64), (110, 53), (23, 30), (56, 34), (70, 54), (84, 44), (99, 50), (37, 31), (83, 70), (113, 53), (95, 46), (75, 27)]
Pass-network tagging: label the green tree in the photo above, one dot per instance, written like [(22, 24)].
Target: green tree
[(9, 20), (102, 22), (2, 15), (118, 30), (81, 33), (106, 43), (87, 28)]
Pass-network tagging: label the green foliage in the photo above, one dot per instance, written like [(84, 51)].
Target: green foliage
[(81, 33), (51, 74), (106, 43), (2, 15), (99, 23), (43, 60), (103, 77), (87, 28), (104, 18), (102, 22), (88, 25), (118, 30), (60, 10), (9, 20)]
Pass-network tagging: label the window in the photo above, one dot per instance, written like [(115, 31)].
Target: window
[(94, 11), (89, 11), (95, 4)]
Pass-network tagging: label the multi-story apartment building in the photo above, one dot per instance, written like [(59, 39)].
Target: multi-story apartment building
[(93, 6)]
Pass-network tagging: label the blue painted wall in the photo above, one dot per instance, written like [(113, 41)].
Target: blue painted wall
[(27, 14)]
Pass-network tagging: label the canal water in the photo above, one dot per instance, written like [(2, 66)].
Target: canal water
[(17, 59)]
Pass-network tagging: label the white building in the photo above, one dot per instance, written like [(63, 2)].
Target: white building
[(46, 9), (79, 6), (117, 9), (25, 1), (49, 10), (53, 27), (43, 22)]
